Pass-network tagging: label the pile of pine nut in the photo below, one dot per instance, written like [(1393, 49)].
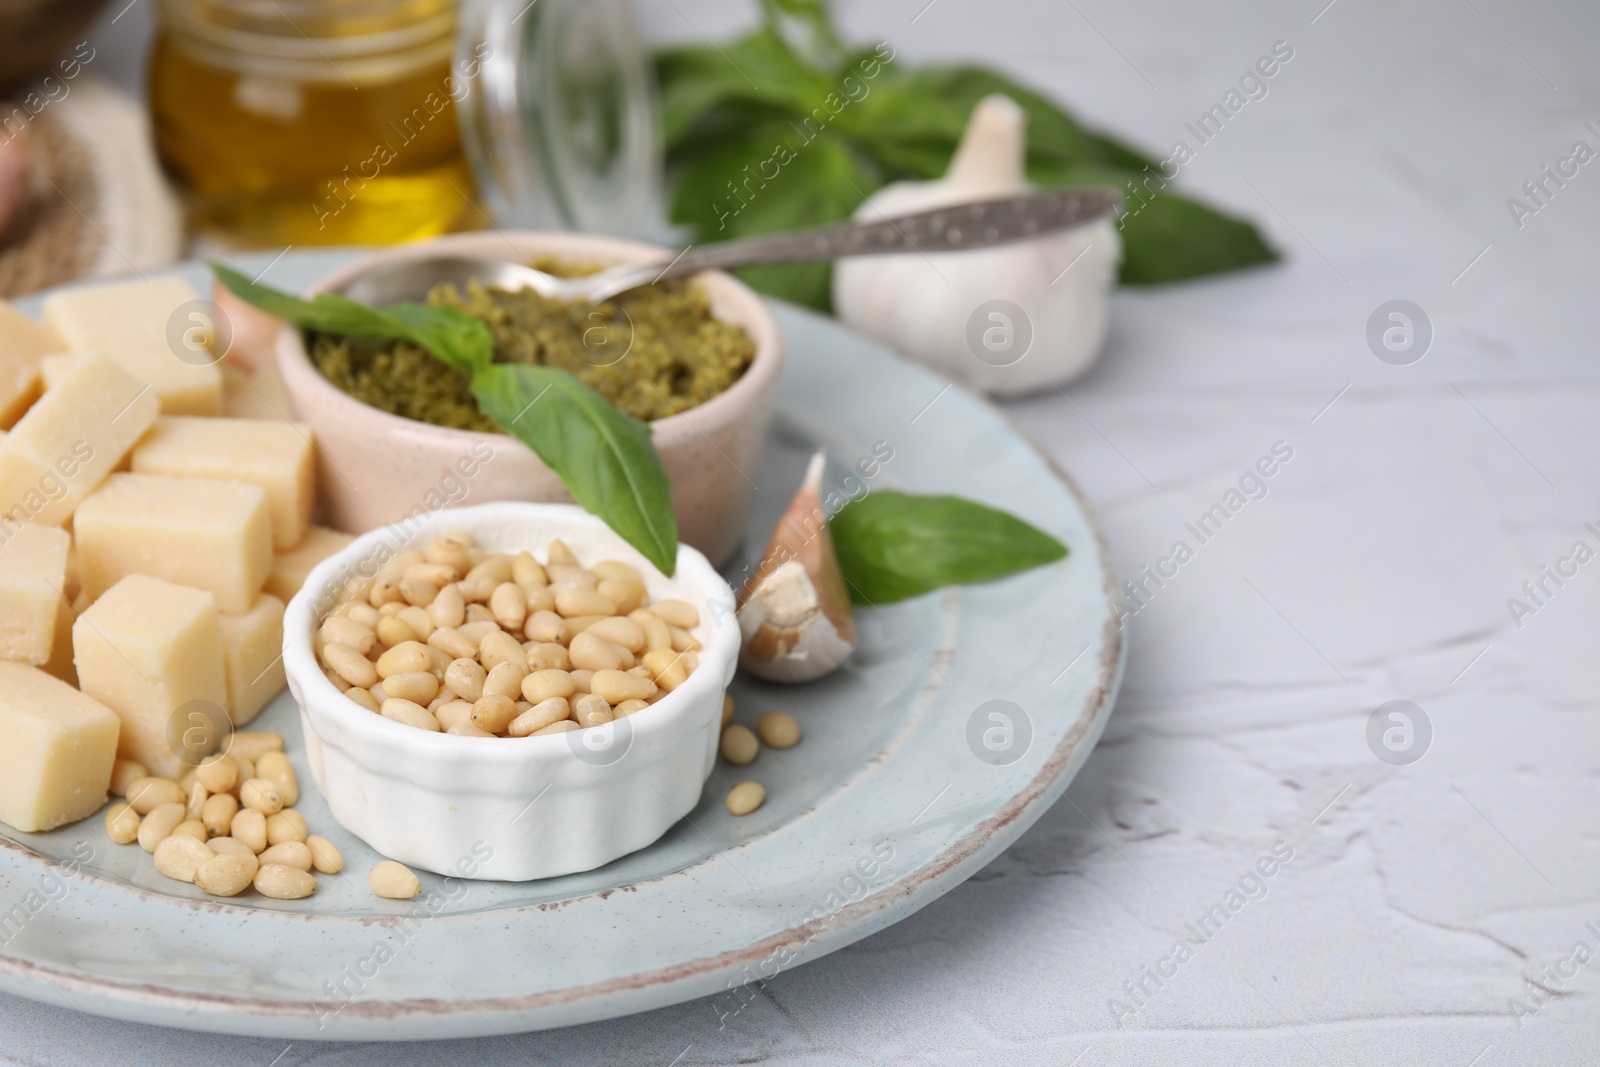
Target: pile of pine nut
[(740, 746), (457, 640), (230, 824)]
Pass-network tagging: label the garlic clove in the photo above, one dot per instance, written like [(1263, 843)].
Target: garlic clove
[(794, 612)]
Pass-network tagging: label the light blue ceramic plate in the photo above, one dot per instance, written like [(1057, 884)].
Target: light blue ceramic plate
[(963, 715)]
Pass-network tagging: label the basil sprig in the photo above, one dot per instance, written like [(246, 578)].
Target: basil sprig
[(790, 107), (893, 545), (603, 456)]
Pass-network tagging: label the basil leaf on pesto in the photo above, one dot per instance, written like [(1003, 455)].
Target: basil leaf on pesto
[(603, 456), (893, 546)]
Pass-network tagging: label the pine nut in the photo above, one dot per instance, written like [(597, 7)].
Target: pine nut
[(217, 815), (179, 857), (590, 710), (679, 613), (122, 823), (194, 799), (394, 630), (727, 709), (496, 569), (159, 824), (283, 827), (657, 634), (509, 605), (475, 630), (466, 677), (393, 881), (542, 685), (404, 658), (226, 874), (581, 680), (570, 602), (260, 794), (539, 598), (439, 574), (252, 743), (224, 846), (525, 570), (593, 653), (148, 794), (124, 772), (619, 631), (493, 713), (779, 729), (417, 592), (546, 626), (349, 664), (536, 718), (218, 774), (547, 655), (365, 614), (364, 698), (626, 593), (500, 647), (467, 729), (284, 883), (560, 555), (407, 713), (419, 687), (666, 666), (243, 771), (288, 853), (249, 828), (385, 590), (579, 623), (739, 745), (418, 621), (557, 728), (452, 643), (629, 707), (612, 568), (449, 608), (324, 857), (505, 680), (191, 828), (453, 714), (617, 686), (343, 630), (745, 798), (683, 640)]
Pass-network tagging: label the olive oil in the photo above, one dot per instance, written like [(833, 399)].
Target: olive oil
[(313, 122)]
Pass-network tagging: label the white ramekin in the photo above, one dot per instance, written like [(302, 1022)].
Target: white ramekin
[(522, 808)]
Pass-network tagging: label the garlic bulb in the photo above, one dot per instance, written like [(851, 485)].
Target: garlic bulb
[(795, 612), (1007, 320)]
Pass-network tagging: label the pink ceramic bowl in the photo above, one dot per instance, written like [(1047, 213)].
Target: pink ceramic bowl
[(376, 468)]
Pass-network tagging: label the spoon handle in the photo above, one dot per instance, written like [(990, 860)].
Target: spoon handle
[(948, 229)]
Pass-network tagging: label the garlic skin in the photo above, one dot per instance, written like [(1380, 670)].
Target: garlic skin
[(931, 307), (795, 613)]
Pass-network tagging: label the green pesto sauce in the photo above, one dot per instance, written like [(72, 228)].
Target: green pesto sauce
[(652, 351)]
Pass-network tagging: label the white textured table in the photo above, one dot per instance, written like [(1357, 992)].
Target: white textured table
[(1420, 900)]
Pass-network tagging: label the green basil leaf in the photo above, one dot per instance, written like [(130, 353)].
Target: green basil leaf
[(894, 545), (604, 457), (461, 341), (760, 68)]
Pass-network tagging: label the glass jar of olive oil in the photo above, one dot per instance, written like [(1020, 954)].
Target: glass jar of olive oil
[(307, 122)]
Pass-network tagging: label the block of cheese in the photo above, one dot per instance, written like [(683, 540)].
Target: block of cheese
[(258, 394), (69, 440), (289, 569), (145, 327), (23, 343), (55, 764), (146, 649), (33, 578), (274, 455), (252, 650), (211, 535)]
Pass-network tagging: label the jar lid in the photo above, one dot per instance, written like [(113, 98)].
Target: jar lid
[(558, 115)]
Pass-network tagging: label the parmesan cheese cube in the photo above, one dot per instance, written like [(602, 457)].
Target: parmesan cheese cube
[(252, 650), (55, 765), (33, 577), (274, 455), (67, 442), (211, 535), (289, 569), (23, 342), (146, 649), (147, 329)]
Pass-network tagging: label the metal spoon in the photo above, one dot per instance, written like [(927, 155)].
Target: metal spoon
[(976, 225)]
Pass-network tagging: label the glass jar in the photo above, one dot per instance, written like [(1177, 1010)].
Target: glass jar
[(307, 122)]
